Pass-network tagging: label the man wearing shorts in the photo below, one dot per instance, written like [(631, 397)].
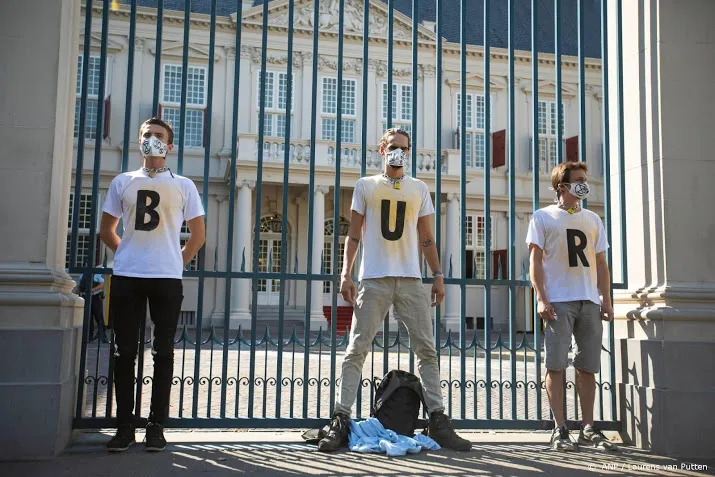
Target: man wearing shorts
[(153, 203), (568, 270), (391, 213)]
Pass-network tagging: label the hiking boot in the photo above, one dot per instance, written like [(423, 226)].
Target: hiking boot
[(123, 439), (590, 436), (440, 429), (561, 440), (154, 440), (337, 436)]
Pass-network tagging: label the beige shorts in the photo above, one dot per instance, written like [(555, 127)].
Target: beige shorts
[(582, 319)]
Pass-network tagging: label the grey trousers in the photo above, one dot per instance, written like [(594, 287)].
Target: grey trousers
[(375, 296)]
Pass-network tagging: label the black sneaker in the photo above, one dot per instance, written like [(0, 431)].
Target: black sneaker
[(154, 440), (440, 429), (337, 435), (123, 439)]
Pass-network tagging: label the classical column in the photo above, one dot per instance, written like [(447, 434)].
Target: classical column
[(429, 99), (665, 320), (316, 288), (242, 254), (221, 246), (452, 299), (41, 324)]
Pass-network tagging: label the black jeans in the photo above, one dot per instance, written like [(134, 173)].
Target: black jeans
[(128, 300), (97, 317)]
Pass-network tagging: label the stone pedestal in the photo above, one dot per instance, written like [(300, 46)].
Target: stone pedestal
[(665, 321)]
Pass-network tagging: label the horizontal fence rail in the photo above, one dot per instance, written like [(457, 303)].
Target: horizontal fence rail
[(279, 105)]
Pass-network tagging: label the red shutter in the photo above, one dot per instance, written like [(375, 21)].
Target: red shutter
[(107, 115), (205, 123), (500, 261), (572, 149), (499, 148), (158, 113)]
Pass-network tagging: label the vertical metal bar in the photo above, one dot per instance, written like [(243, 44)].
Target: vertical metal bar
[(512, 214), (385, 344), (336, 204), (535, 167), (438, 168), (78, 196), (311, 200), (463, 203), (415, 50), (140, 364), (184, 85), (129, 86), (284, 214), (581, 88), (259, 189), (365, 51), (559, 100), (487, 211), (390, 58), (157, 60)]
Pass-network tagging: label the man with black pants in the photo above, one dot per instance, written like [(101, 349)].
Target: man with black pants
[(153, 203), (96, 306)]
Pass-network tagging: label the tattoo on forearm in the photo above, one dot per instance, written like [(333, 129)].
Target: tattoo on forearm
[(354, 239), (427, 243)]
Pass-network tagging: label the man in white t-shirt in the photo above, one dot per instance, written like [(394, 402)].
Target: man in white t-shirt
[(570, 275), (153, 203), (391, 212)]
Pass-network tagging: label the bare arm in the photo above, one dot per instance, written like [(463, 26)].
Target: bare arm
[(197, 228), (429, 247), (604, 286), (536, 271), (352, 242), (107, 231)]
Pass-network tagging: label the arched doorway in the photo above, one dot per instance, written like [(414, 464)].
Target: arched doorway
[(330, 229), (270, 258)]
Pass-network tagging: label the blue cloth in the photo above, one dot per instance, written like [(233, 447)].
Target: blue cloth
[(370, 436)]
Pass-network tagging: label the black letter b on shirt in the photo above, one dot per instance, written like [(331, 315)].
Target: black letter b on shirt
[(147, 209), (576, 249)]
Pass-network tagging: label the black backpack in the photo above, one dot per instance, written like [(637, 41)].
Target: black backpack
[(397, 402)]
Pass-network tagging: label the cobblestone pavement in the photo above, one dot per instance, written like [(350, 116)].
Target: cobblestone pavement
[(320, 375)]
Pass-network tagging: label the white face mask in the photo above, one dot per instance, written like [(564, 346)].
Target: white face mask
[(396, 158), (152, 146), (580, 190)]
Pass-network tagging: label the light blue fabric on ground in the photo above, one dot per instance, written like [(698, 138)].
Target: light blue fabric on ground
[(370, 436)]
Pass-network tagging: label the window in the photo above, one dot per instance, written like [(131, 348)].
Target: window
[(401, 107), (328, 249), (170, 108), (184, 237), (276, 101), (83, 223), (92, 104), (547, 134), (329, 110), (474, 241), (474, 132)]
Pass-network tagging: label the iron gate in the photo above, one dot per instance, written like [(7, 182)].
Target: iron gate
[(282, 373)]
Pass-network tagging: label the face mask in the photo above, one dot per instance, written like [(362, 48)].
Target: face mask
[(152, 146), (396, 158), (580, 190)]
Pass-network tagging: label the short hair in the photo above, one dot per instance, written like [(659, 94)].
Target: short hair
[(392, 132), (162, 123), (562, 173)]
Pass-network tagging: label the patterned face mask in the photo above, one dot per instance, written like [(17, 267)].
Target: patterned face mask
[(580, 190), (153, 147), (396, 158)]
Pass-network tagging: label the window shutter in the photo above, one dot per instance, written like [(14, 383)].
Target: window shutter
[(499, 267), (205, 119), (158, 113), (107, 115), (572, 149), (499, 148)]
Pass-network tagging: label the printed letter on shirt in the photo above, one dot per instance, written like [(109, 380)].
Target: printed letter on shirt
[(147, 209), (399, 222), (576, 249)]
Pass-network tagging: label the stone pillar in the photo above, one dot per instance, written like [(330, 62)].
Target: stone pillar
[(242, 253), (429, 99), (222, 236), (316, 287), (452, 243), (41, 325), (665, 320)]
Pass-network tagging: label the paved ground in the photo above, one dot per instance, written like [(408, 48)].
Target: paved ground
[(284, 454), (292, 383)]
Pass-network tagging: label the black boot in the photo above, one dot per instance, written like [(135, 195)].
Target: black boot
[(337, 435), (154, 440), (440, 429), (123, 439)]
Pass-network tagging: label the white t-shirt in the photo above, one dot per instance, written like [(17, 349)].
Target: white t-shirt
[(390, 238), (570, 243), (152, 212)]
